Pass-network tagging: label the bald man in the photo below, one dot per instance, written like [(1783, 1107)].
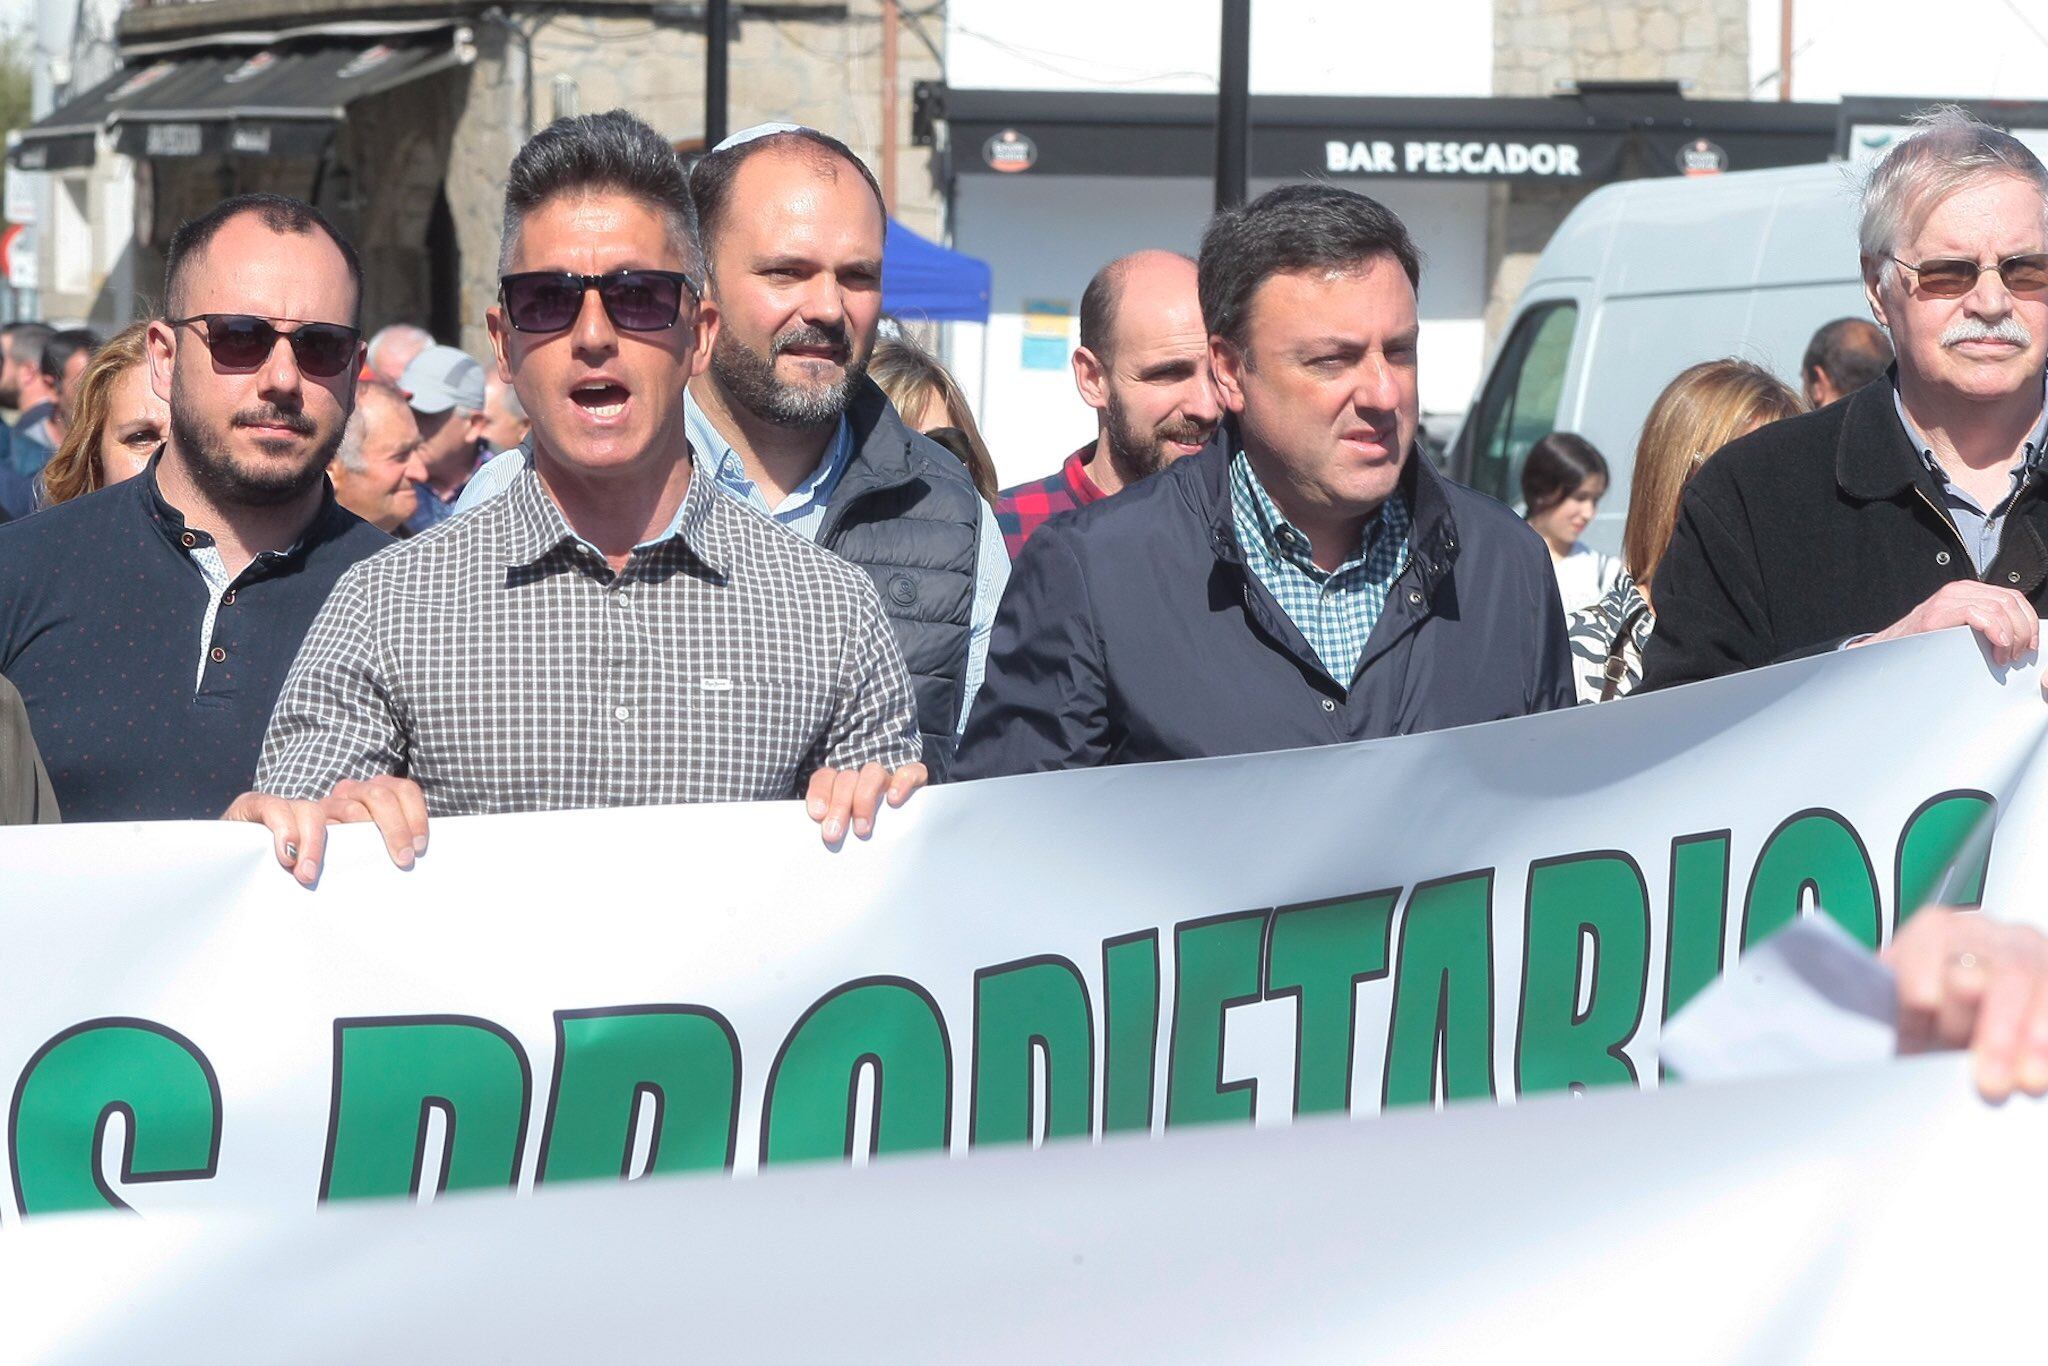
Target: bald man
[(1143, 366), (392, 349), (1843, 356)]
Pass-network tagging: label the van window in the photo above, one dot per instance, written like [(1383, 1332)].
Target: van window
[(1519, 406)]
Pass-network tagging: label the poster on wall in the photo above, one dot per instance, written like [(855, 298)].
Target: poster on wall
[(1047, 328)]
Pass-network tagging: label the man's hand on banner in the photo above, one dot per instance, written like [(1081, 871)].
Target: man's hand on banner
[(2002, 616), (837, 794), (299, 828), (1968, 982)]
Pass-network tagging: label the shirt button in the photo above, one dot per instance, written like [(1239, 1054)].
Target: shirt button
[(217, 655), (2012, 576), (622, 713), (1415, 597), (228, 598), (188, 540), (1329, 705), (1941, 557)]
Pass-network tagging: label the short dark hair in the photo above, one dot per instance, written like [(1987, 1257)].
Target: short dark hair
[(1101, 300), (1295, 227), (62, 346), (25, 341), (280, 213), (1851, 352), (711, 178), (1556, 466), (615, 151)]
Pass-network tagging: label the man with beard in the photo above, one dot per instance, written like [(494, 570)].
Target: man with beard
[(1143, 366), (786, 419), (149, 626)]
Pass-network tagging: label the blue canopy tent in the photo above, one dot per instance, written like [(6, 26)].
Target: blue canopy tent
[(923, 281)]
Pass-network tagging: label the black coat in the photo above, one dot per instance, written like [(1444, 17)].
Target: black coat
[(1811, 531), (1132, 631)]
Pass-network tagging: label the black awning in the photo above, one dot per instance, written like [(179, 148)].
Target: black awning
[(1579, 138), (283, 100)]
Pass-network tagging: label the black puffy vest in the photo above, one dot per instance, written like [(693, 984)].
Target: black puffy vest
[(906, 511)]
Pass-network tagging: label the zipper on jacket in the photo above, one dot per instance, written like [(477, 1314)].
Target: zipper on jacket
[(1961, 544)]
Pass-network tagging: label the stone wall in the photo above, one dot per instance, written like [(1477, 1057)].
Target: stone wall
[(823, 71), (1542, 44)]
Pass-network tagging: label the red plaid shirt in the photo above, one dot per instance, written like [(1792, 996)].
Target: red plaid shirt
[(1027, 507)]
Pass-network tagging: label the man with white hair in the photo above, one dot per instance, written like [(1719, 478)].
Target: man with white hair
[(392, 348), (1910, 506), (376, 469)]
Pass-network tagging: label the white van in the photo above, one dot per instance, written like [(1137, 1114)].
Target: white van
[(1643, 279)]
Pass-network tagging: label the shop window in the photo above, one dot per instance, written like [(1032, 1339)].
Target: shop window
[(1519, 405)]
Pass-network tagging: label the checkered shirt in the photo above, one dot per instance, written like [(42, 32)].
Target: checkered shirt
[(1027, 507), (1334, 611), (500, 663)]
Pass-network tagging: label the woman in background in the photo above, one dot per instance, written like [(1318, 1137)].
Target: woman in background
[(929, 401), (1563, 481), (117, 424), (1701, 411)]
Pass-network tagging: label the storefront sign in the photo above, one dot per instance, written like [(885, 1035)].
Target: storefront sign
[(1010, 151), (1491, 160), (173, 140), (1702, 157)]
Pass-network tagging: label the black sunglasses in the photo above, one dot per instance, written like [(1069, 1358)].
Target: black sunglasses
[(244, 341), (1948, 278), (635, 300)]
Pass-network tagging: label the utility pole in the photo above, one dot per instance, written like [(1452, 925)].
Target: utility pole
[(889, 112), (1233, 103), (1785, 50), (717, 29)]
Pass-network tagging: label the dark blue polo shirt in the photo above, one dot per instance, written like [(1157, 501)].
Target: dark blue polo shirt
[(101, 610)]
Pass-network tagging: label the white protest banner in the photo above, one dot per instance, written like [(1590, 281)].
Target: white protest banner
[(1862, 1216), (1486, 912)]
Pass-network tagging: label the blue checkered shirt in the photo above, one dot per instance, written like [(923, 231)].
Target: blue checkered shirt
[(1334, 611)]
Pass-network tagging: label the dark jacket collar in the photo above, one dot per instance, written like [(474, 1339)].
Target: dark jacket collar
[(1432, 536), (1874, 457)]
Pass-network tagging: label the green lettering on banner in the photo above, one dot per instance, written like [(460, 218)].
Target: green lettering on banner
[(892, 1023), (1039, 1003), (684, 1058), (1597, 900), (1941, 836), (390, 1073), (1130, 1031), (1442, 1015), (76, 1083), (1818, 851), (1215, 966), (1696, 930), (1318, 953)]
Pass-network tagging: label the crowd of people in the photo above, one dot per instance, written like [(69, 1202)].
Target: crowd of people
[(702, 528)]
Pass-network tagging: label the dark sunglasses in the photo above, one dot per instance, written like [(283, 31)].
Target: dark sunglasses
[(243, 341), (1952, 279), (635, 300)]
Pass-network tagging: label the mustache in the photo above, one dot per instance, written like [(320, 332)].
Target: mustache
[(835, 337), (1186, 430), (2006, 329), (270, 415)]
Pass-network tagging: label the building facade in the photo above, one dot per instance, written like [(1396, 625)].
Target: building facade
[(398, 119)]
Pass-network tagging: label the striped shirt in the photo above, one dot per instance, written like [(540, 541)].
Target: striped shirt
[(1335, 610)]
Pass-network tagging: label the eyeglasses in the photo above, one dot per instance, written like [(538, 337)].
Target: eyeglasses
[(243, 341), (635, 300), (1952, 279)]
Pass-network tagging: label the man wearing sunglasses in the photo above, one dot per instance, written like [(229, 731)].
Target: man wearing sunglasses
[(786, 419), (1915, 504), (149, 626), (612, 629)]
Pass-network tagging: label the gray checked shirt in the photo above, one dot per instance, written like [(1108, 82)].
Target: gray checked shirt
[(501, 664)]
